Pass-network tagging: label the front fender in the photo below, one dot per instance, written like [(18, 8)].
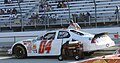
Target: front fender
[(10, 51)]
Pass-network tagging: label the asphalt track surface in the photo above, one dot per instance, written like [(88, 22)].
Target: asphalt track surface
[(8, 59)]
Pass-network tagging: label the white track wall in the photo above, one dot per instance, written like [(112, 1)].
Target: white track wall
[(111, 30), (99, 30), (11, 35)]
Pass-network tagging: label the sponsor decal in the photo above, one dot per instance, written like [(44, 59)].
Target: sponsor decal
[(26, 42), (34, 48), (29, 47)]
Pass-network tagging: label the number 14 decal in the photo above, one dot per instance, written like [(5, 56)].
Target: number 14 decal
[(45, 46)]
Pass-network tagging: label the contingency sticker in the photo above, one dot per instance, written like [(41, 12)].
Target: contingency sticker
[(34, 48), (29, 47)]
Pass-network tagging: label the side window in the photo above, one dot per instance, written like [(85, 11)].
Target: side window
[(63, 34), (49, 36)]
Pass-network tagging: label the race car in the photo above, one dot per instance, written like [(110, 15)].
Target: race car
[(61, 42)]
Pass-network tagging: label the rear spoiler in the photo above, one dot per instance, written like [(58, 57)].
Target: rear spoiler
[(100, 34)]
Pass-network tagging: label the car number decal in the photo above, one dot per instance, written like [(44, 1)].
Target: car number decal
[(44, 46)]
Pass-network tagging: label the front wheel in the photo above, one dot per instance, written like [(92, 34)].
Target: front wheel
[(19, 52), (60, 58)]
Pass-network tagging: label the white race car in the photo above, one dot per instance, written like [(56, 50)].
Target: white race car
[(53, 43)]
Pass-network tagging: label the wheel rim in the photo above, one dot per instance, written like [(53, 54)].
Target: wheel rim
[(60, 57), (77, 57)]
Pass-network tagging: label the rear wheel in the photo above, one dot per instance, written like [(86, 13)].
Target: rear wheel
[(19, 52), (79, 55)]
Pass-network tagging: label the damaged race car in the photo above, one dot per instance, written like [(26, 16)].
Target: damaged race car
[(62, 43)]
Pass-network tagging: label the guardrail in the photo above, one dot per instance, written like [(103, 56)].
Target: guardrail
[(8, 41)]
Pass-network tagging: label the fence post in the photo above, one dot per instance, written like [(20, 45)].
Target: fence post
[(14, 39), (117, 37), (89, 20)]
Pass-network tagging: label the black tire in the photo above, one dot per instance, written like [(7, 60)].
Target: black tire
[(60, 58), (19, 52), (79, 55)]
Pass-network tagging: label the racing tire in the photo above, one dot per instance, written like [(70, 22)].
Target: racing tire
[(77, 57), (19, 52), (60, 58)]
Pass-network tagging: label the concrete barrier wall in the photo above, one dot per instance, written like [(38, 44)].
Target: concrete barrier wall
[(19, 35), (111, 30), (7, 37), (99, 30)]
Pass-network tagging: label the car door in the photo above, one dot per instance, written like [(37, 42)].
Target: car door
[(45, 44), (52, 46), (62, 37)]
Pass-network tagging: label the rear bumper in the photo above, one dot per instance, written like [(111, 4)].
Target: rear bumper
[(94, 47)]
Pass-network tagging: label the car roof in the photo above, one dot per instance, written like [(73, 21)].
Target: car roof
[(62, 30)]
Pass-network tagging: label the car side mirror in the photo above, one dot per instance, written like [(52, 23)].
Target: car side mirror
[(40, 38)]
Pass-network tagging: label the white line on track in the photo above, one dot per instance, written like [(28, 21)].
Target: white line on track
[(5, 58)]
